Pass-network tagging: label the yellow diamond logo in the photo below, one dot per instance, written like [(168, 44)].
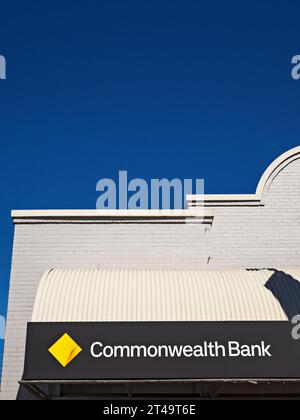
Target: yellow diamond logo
[(65, 350)]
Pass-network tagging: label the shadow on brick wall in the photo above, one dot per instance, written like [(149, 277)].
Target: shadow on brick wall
[(286, 290)]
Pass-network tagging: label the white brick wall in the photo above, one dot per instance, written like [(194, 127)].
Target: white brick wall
[(267, 236)]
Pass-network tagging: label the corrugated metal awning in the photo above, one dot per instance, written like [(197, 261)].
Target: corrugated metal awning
[(167, 295)]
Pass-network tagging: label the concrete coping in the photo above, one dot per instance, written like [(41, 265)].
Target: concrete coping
[(98, 214)]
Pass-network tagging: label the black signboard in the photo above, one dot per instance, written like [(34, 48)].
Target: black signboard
[(161, 350)]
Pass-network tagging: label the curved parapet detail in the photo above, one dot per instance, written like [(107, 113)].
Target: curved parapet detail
[(275, 168), (216, 200)]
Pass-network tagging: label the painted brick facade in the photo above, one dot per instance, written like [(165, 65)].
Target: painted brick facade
[(262, 236)]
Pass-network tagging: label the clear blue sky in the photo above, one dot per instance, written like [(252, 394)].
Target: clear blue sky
[(162, 88)]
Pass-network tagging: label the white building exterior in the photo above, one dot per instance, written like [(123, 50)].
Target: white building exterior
[(255, 231)]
